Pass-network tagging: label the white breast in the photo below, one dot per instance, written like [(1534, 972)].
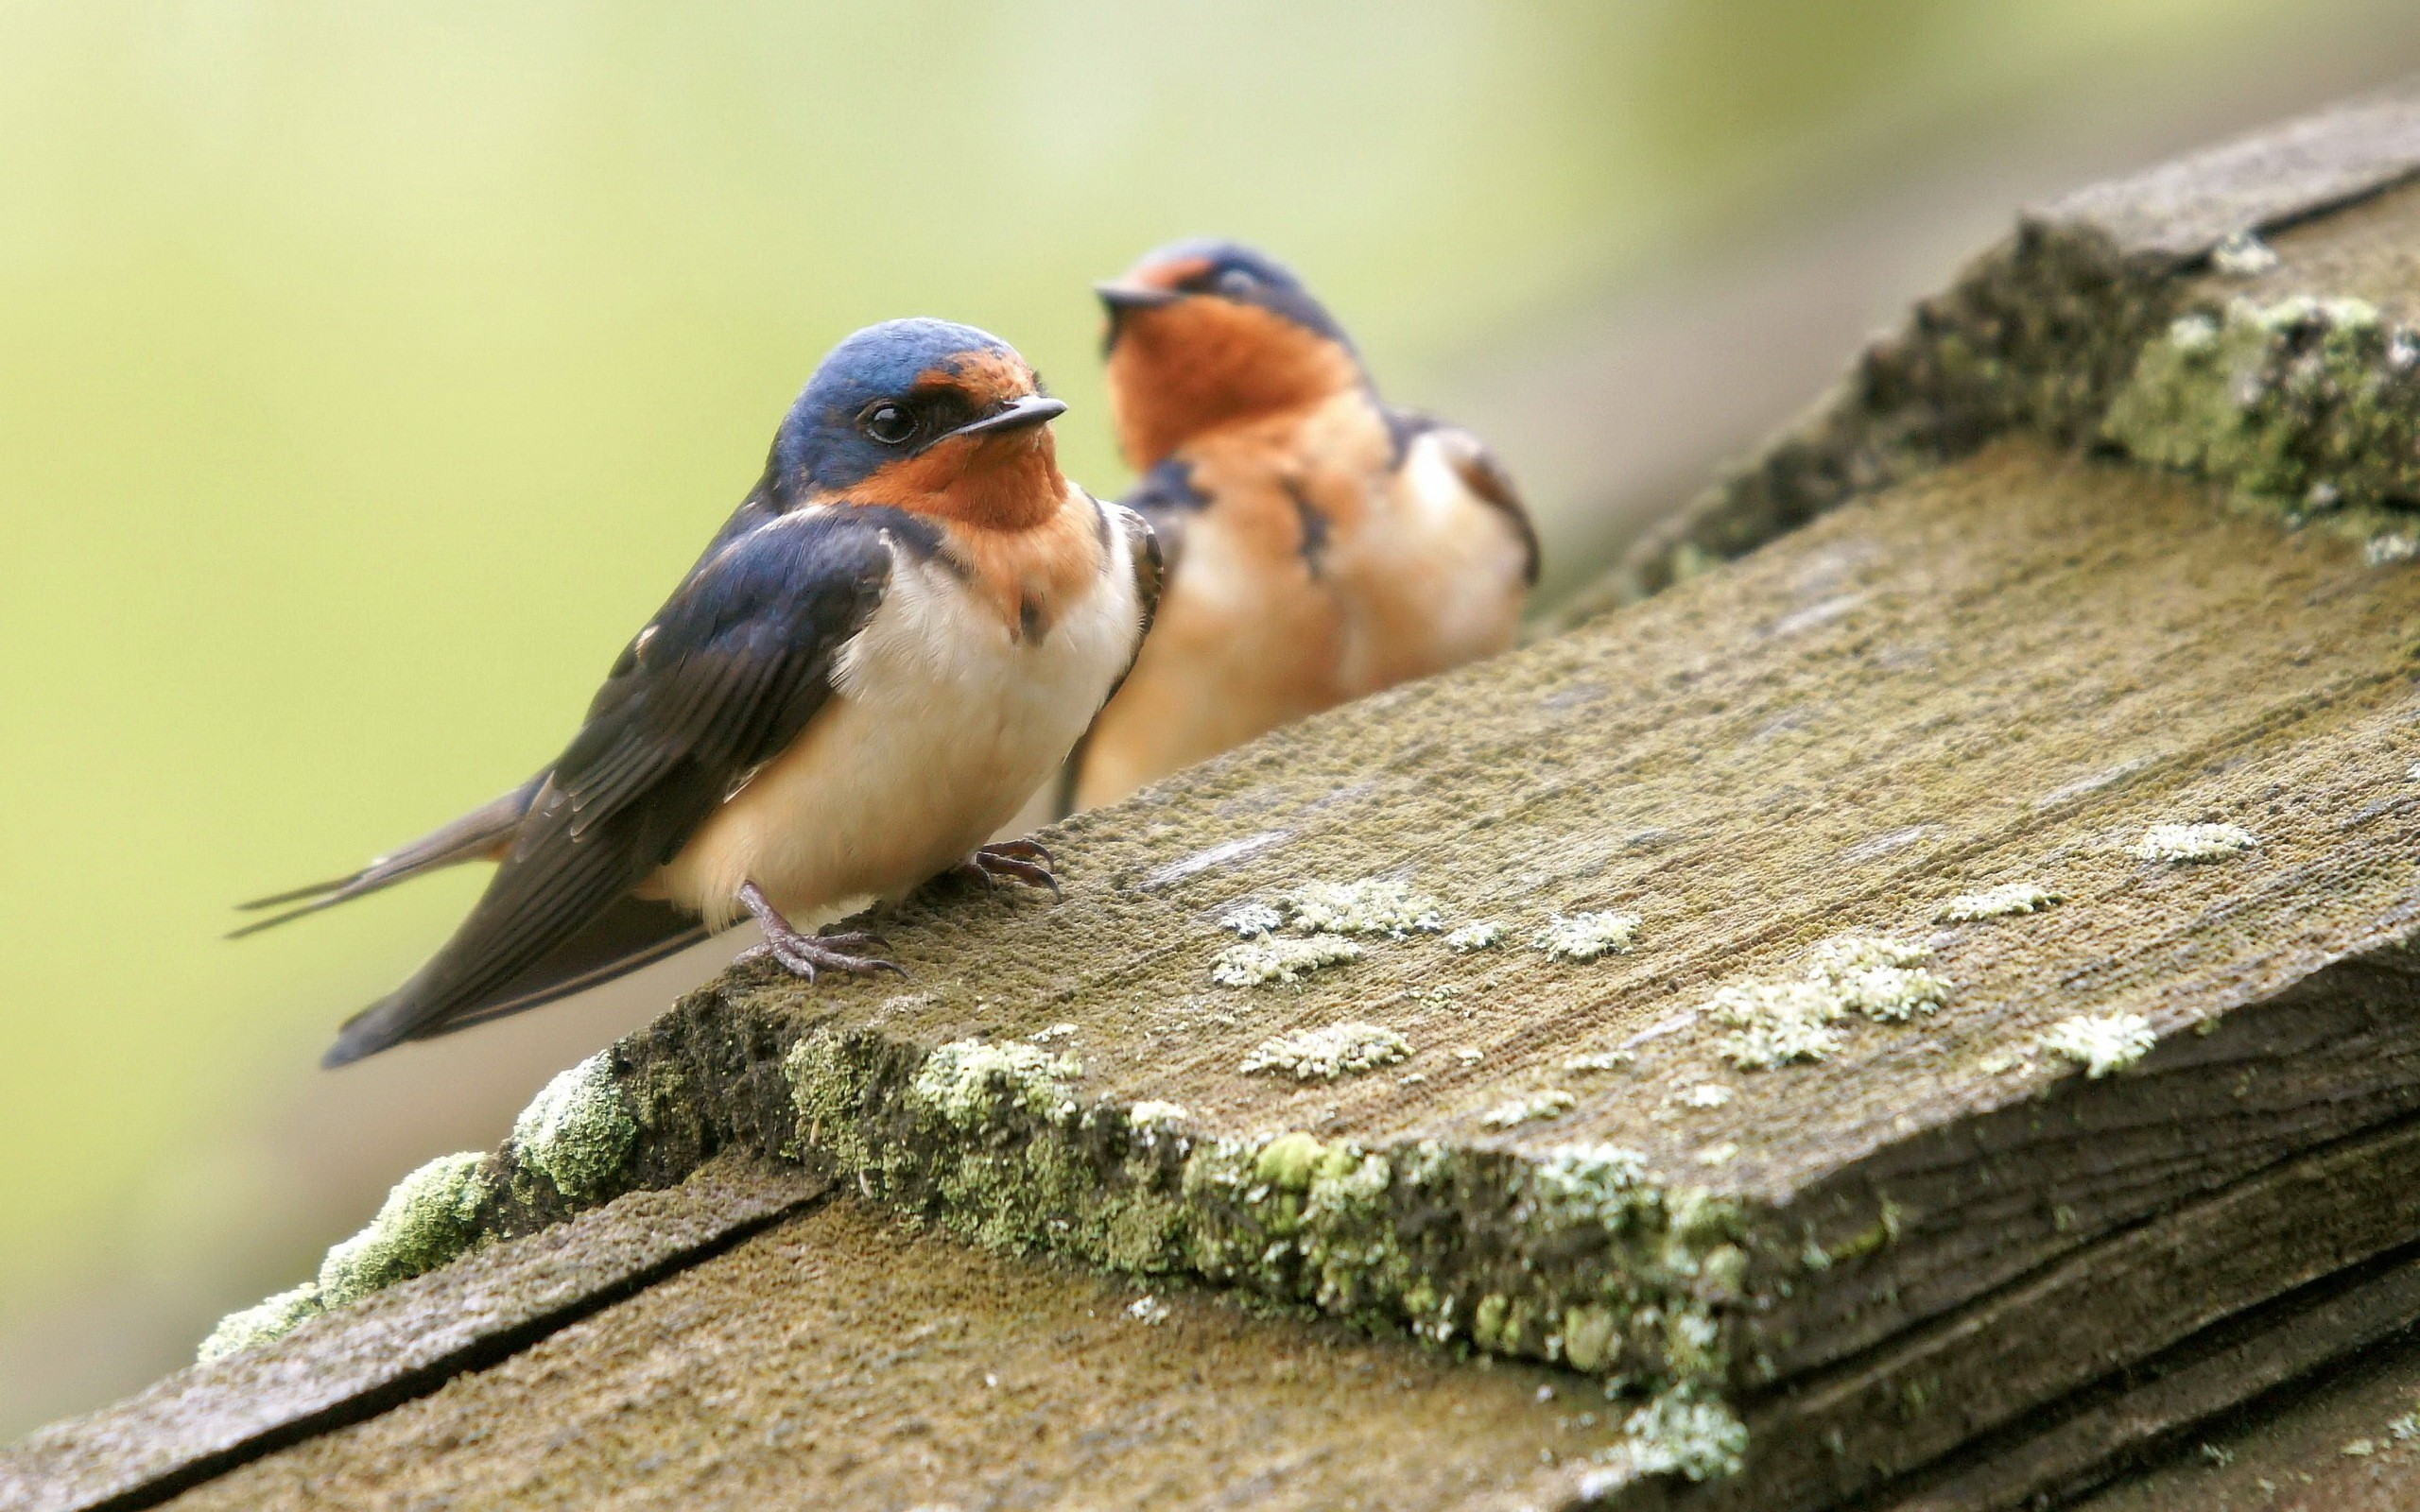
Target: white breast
[(942, 723), (1437, 576)]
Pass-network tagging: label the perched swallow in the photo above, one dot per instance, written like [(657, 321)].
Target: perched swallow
[(1321, 543), (894, 642)]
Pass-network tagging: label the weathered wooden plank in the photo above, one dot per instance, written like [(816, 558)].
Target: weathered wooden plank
[(2182, 209), (846, 1360), (2346, 1443), (405, 1342), (1909, 699), (2080, 1452), (2040, 333), (2090, 1332), (2332, 1053)]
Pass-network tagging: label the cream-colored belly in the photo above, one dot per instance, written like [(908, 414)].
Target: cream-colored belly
[(941, 726), (1434, 579)]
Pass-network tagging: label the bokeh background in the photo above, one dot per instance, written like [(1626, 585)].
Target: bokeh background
[(368, 371)]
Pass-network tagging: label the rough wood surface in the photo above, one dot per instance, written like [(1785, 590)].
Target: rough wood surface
[(2348, 1443), (2055, 1383), (2080, 1450), (2040, 333), (405, 1342), (2181, 210), (1940, 690), (1944, 689), (843, 1360)]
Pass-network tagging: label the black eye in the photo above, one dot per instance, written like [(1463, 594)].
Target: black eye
[(891, 425), (1238, 284)]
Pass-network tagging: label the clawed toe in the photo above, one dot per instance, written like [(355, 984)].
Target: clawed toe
[(807, 955), (1016, 860), (1020, 850), (856, 940)]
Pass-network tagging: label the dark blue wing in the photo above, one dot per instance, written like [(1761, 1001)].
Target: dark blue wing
[(723, 679), (1165, 498)]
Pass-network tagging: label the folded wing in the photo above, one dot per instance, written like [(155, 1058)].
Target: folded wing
[(722, 680)]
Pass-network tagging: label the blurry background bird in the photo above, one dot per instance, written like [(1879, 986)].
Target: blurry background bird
[(1321, 543), (898, 635), (319, 324)]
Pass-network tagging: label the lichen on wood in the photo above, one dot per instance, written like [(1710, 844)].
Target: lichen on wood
[(1527, 1250), (575, 1133)]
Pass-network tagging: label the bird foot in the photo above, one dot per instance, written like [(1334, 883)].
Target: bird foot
[(804, 954), (1023, 861)]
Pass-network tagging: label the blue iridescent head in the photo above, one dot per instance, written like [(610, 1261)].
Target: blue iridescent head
[(1210, 267), (902, 391), (1203, 334)]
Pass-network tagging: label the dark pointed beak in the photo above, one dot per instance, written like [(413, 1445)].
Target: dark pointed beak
[(1034, 409), (1123, 296)]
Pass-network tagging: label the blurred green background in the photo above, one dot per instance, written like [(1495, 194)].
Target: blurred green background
[(366, 372)]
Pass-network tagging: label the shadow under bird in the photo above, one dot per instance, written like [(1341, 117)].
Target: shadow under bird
[(1321, 543), (891, 644)]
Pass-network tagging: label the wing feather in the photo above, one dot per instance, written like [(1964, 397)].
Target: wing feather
[(726, 676)]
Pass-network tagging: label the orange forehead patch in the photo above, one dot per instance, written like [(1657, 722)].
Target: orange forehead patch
[(988, 378)]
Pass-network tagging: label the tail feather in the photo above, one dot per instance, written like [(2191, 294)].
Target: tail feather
[(631, 933), (479, 834)]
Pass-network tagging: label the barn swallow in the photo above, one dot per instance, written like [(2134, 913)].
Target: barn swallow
[(1321, 543), (895, 640)]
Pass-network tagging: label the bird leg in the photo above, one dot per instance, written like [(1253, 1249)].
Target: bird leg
[(803, 955), (1024, 861)]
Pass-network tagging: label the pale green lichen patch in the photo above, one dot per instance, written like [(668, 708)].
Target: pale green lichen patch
[(1685, 1433), (577, 1132), (1572, 1256), (2305, 407), (430, 1217), (2243, 254), (1600, 1060), (1374, 905), (1535, 1108), (1484, 936), (1779, 1023), (2389, 547), (2101, 1044), (1323, 1055), (1878, 977), (1585, 937), (1774, 1023), (2177, 844), (272, 1319), (1277, 959), (1706, 1095), (1997, 902), (1288, 1161), (1251, 921), (969, 1082), (1150, 1115)]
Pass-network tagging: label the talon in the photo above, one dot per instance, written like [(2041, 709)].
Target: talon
[(856, 939), (1021, 851), (804, 954), (994, 861)]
